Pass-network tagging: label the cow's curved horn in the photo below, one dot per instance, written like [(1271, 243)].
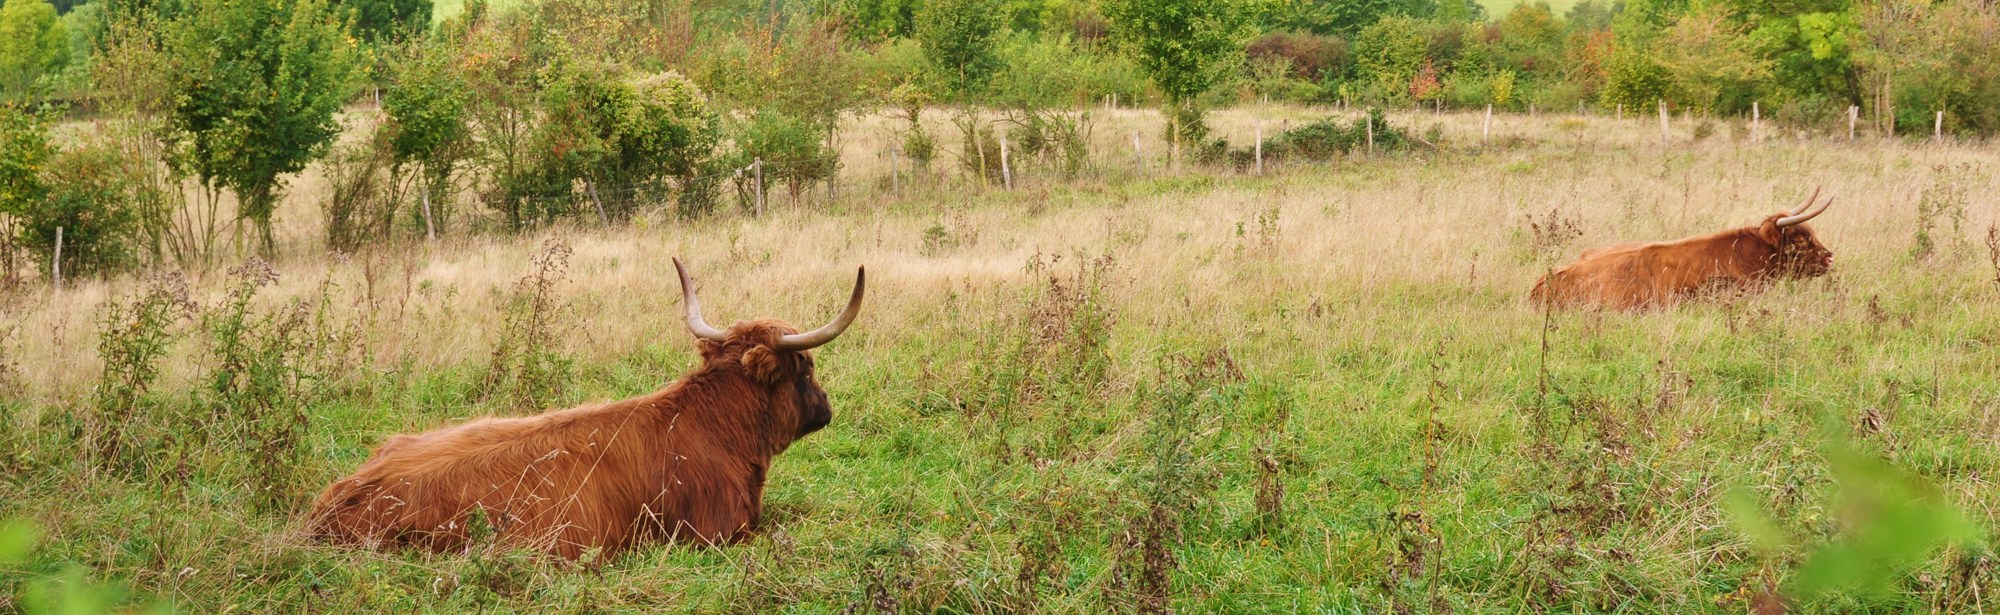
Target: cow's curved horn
[(819, 337), (695, 323), (1795, 219), (1808, 203)]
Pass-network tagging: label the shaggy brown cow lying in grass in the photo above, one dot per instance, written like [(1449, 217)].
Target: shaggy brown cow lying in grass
[(686, 463), (1639, 275)]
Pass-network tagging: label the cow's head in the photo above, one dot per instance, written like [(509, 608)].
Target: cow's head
[(774, 356), (1799, 253)]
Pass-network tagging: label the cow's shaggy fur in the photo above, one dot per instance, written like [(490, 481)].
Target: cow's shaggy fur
[(686, 463), (1641, 275)]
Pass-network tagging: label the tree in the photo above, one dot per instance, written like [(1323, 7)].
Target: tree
[(1388, 56), (388, 20), (425, 109), (1706, 56), (256, 84), (961, 39), (33, 44), (24, 153), (1185, 47), (1346, 18)]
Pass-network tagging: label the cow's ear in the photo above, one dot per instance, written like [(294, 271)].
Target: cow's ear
[(710, 350), (1769, 233), (763, 364)]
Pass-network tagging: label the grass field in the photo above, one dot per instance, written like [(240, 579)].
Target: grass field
[(1320, 390)]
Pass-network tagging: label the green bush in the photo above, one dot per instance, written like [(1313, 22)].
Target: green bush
[(1325, 138), (1388, 56), (34, 47), (793, 150), (1634, 80), (90, 198), (670, 133)]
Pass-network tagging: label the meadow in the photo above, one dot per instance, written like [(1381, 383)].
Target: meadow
[(1316, 390)]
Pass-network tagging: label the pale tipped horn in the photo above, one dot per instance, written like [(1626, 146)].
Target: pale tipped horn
[(1808, 203), (819, 337), (1792, 220), (696, 325)]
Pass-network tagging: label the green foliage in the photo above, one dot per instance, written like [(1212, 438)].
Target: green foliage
[(70, 592), (1709, 61), (425, 112), (34, 46), (1388, 56), (90, 197), (1328, 137), (86, 191), (388, 20), (133, 336), (1634, 80), (256, 84), (961, 40), (1891, 522), (793, 150), (1184, 46), (670, 132), (264, 378), (1347, 18), (24, 157), (529, 371), (880, 20), (362, 193)]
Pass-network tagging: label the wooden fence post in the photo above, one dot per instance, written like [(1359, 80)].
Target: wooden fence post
[(1006, 172), (1621, 111), (601, 217), (1937, 129), (1138, 159), (55, 264), (1486, 127), (758, 167), (1371, 133), (1665, 130), (430, 230), (1260, 147), (1756, 118), (1853, 116)]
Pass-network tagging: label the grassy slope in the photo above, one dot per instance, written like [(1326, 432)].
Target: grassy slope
[(976, 430)]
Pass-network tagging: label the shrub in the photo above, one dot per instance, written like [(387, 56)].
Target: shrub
[(90, 198), (669, 133), (1633, 79), (424, 120), (361, 202), (793, 150), (1311, 57), (1387, 57), (132, 337), (528, 370), (34, 46), (1325, 138)]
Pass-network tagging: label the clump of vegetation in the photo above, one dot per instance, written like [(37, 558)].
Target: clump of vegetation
[(1329, 137), (1944, 200), (125, 426), (529, 370)]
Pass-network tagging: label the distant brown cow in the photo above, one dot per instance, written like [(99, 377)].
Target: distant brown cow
[(1637, 274), (686, 463)]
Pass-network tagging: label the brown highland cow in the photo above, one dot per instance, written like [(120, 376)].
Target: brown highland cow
[(686, 463), (1638, 275)]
